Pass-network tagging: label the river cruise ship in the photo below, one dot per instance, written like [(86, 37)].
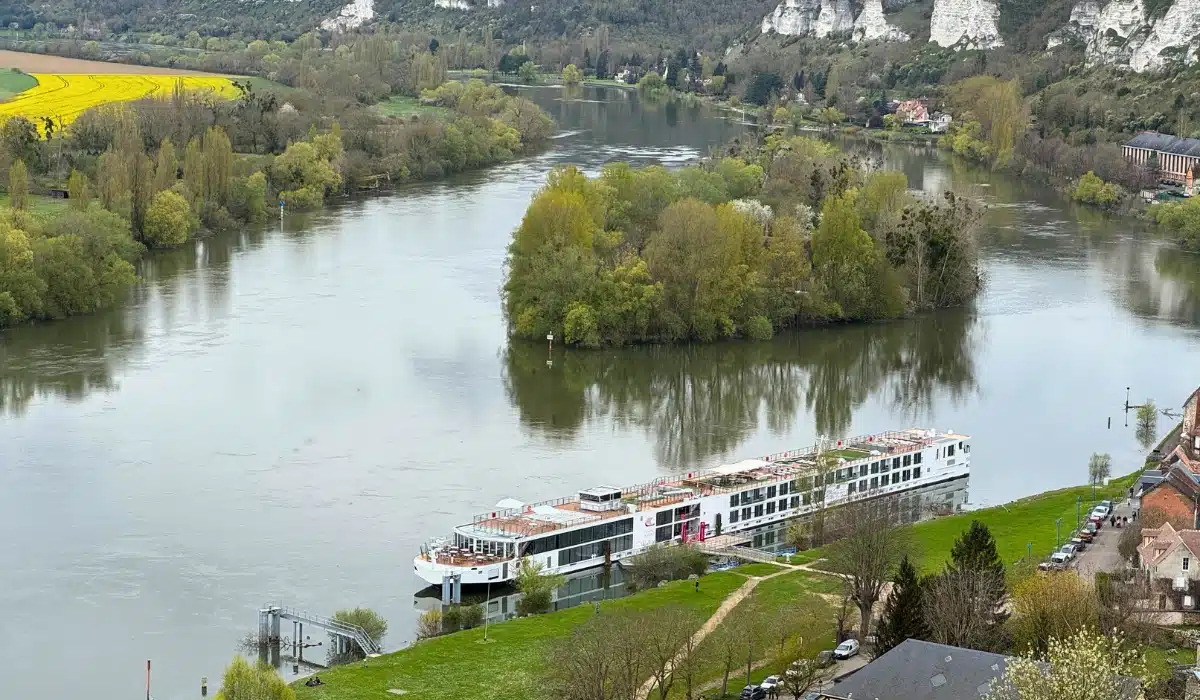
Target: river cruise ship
[(605, 524)]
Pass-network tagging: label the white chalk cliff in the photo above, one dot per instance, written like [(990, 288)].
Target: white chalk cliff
[(1120, 34), (821, 18), (965, 23), (466, 4), (353, 15)]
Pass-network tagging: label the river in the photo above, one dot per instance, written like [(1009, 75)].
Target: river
[(285, 414)]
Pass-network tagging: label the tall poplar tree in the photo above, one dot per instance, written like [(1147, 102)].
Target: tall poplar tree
[(903, 613)]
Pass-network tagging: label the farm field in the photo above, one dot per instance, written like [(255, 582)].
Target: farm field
[(62, 97), (44, 63)]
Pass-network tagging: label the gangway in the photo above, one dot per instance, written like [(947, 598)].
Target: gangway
[(342, 634), (733, 546)]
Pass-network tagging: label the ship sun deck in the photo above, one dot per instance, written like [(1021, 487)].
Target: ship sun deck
[(549, 516)]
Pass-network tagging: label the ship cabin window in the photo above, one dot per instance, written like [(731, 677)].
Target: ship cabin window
[(917, 458), (874, 482), (758, 495), (795, 501), (807, 498), (874, 467), (907, 474), (862, 485), (895, 463), (663, 517), (852, 487), (770, 492), (733, 501), (895, 477), (783, 504), (745, 514), (662, 534), (733, 516), (745, 497), (687, 512), (916, 472), (950, 451), (770, 507), (884, 466), (862, 469), (907, 460), (758, 510), (783, 488)]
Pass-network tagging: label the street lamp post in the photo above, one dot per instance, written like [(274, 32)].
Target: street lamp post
[(1058, 530), (1078, 512)]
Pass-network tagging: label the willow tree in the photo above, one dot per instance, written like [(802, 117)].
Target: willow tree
[(18, 185)]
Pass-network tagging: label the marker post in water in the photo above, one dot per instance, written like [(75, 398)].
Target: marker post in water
[(281, 203)]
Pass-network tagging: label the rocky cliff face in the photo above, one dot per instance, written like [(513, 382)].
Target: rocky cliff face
[(965, 23), (821, 18), (1119, 33)]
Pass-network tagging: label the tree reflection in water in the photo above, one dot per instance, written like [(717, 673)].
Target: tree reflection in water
[(704, 400)]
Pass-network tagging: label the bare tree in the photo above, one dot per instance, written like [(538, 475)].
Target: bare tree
[(665, 633), (1099, 468), (869, 551), (800, 677), (958, 608), (726, 641), (603, 659)]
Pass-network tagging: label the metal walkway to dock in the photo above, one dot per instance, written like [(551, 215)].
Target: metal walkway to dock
[(734, 546), (342, 634)]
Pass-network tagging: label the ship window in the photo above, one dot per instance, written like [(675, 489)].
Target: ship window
[(907, 460), (907, 474), (770, 492), (862, 469), (874, 482), (884, 466), (662, 534), (916, 472), (733, 516), (807, 498), (678, 529), (758, 510), (783, 504), (874, 467), (770, 507), (745, 514), (862, 485), (795, 501), (950, 451), (745, 497), (783, 488), (895, 463), (895, 477), (917, 458), (852, 487), (733, 501), (758, 495), (663, 517)]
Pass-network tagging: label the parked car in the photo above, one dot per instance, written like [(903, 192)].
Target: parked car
[(1079, 542), (1050, 566), (846, 649), (1091, 529), (753, 692), (770, 683), (1107, 504), (1060, 558), (1098, 520), (1070, 550), (1102, 511)]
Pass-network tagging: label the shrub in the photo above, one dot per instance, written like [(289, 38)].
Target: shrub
[(665, 563)]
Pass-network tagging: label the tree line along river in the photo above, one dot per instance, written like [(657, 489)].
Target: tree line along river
[(286, 413)]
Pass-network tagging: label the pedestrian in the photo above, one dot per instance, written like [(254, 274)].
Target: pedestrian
[(697, 585), (1125, 520), (1112, 520)]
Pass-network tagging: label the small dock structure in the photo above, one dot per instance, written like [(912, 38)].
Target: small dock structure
[(734, 546), (343, 636)]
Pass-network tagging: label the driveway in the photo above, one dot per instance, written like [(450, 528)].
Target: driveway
[(1101, 554)]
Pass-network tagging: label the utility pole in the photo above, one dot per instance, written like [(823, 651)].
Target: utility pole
[(1058, 531)]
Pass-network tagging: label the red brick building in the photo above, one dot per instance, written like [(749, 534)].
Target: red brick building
[(1178, 494)]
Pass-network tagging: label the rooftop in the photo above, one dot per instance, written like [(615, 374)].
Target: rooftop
[(540, 518), (1165, 143), (917, 670)]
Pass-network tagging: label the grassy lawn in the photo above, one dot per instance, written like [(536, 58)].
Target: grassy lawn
[(13, 82), (776, 593), (38, 205), (1159, 661), (806, 557), (1014, 525), (403, 106), (847, 454), (756, 569), (460, 665)]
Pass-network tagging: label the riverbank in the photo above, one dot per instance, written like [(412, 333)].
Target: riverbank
[(510, 664)]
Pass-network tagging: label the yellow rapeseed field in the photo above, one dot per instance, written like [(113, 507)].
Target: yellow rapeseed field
[(63, 97)]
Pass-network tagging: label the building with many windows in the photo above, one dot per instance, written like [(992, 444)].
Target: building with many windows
[(1176, 156)]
